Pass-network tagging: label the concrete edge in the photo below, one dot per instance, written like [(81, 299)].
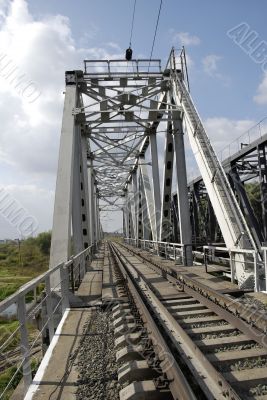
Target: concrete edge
[(45, 361)]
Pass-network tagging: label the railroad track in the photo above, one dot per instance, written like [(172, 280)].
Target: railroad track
[(207, 345), (13, 357)]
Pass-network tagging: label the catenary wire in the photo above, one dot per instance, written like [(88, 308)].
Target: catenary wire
[(132, 25)]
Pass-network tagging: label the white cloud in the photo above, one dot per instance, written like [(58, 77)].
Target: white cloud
[(226, 136), (211, 68), (43, 50), (30, 198), (261, 95), (185, 39), (210, 64)]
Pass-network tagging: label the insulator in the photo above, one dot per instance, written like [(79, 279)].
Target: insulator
[(128, 54)]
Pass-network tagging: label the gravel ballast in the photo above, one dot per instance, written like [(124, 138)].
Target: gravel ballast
[(96, 363)]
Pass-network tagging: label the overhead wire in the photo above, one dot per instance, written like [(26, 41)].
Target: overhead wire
[(132, 25), (130, 44), (155, 33), (152, 48)]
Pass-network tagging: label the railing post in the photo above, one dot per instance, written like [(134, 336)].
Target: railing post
[(232, 267), (64, 287), (184, 254), (72, 277), (213, 254), (265, 266), (89, 256), (79, 269), (49, 308), (256, 271), (205, 260), (83, 261), (24, 343)]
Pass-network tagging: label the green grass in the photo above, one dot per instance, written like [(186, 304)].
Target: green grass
[(5, 378), (7, 327), (18, 266), (7, 375)]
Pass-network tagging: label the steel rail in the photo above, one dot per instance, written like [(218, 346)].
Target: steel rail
[(212, 382), (179, 386), (254, 320)]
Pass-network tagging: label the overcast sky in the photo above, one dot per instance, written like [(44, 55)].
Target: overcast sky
[(40, 39)]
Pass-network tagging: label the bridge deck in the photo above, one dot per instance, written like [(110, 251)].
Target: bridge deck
[(212, 278), (58, 376)]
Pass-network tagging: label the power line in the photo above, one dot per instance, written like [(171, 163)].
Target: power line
[(155, 33), (132, 23)]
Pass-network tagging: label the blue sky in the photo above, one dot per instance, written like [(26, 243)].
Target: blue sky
[(109, 21), (45, 38)]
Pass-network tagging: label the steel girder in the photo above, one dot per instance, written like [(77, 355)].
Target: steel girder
[(61, 231), (76, 208), (121, 105), (246, 167), (165, 224)]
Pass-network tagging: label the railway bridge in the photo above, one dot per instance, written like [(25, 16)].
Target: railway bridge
[(174, 307)]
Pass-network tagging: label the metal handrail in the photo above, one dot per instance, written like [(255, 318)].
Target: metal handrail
[(167, 248), (18, 298), (254, 261), (121, 63)]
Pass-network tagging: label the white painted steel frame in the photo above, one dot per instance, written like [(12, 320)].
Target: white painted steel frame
[(121, 114)]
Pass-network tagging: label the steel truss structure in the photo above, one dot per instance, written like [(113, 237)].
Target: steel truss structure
[(245, 167), (110, 160)]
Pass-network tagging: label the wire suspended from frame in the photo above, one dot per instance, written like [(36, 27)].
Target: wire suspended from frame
[(155, 34), (132, 25)]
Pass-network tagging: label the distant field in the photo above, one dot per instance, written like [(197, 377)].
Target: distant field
[(19, 265)]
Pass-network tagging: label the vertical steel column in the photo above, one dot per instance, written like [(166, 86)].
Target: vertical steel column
[(123, 223), (140, 210), (211, 222), (80, 198), (84, 187), (182, 191), (263, 184), (126, 213), (77, 200), (61, 231), (98, 215), (167, 186), (196, 213), (91, 200), (131, 210), (96, 212), (239, 187), (135, 197), (155, 180), (175, 219), (145, 222), (130, 205), (150, 204)]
